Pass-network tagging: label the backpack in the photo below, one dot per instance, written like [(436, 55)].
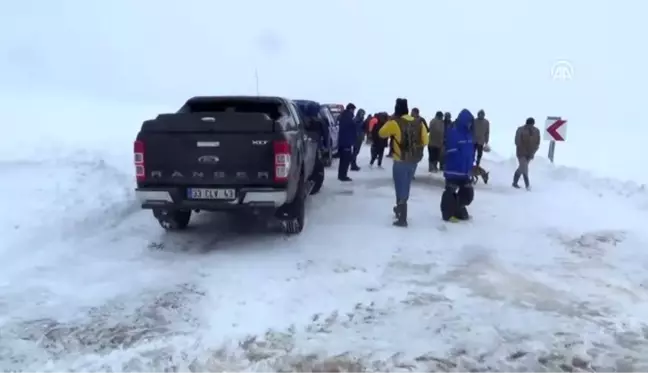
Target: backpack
[(411, 146), (374, 131)]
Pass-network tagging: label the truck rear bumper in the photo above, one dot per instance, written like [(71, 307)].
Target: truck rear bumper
[(174, 198)]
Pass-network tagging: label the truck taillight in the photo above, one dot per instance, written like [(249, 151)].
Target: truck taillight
[(282, 155), (140, 171)]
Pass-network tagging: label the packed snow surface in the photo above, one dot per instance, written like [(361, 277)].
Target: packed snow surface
[(551, 279)]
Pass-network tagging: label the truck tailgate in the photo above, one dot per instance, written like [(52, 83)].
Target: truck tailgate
[(224, 149)]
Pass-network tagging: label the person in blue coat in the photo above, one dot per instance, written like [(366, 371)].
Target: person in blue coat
[(347, 137), (459, 157)]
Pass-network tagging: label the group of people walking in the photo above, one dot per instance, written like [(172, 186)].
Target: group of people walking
[(454, 147)]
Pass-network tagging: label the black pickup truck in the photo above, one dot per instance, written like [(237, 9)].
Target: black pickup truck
[(228, 153)]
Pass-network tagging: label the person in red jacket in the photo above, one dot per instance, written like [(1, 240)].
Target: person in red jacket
[(378, 144), (370, 125)]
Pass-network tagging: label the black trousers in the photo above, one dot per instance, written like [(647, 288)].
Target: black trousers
[(434, 155), (346, 157), (479, 151), (377, 153), (456, 196), (356, 151)]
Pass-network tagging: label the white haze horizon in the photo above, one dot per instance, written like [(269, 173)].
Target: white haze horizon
[(494, 55)]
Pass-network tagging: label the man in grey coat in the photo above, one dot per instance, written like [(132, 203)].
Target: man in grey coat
[(435, 144), (481, 134), (527, 143)]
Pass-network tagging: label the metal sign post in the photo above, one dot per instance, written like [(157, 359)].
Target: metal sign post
[(552, 150)]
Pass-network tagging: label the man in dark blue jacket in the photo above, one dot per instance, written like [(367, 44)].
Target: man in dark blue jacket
[(347, 137), (459, 158)]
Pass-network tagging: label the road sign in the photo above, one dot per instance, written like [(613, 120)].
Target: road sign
[(555, 129)]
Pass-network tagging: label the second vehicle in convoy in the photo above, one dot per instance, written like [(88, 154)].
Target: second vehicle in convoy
[(320, 124)]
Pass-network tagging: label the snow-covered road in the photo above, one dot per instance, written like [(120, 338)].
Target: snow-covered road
[(544, 280)]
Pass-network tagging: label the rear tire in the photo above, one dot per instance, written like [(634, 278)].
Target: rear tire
[(317, 177), (173, 220), (293, 220), (328, 160)]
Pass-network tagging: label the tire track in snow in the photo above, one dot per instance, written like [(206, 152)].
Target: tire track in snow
[(301, 349), (117, 325)]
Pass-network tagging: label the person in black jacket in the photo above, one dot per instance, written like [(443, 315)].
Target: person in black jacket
[(347, 137), (378, 144)]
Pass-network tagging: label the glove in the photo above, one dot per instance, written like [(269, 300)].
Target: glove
[(487, 148)]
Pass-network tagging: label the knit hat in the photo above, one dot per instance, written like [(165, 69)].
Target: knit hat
[(350, 106), (401, 108), (530, 120)]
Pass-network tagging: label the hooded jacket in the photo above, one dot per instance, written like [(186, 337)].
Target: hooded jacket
[(460, 150)]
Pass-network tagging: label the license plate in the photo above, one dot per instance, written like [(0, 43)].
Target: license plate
[(204, 193)]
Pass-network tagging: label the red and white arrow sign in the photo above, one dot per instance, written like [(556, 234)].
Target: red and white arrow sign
[(555, 129)]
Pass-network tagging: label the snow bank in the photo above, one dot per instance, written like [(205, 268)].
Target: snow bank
[(534, 282)]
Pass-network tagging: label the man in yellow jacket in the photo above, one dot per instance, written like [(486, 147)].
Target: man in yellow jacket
[(409, 137)]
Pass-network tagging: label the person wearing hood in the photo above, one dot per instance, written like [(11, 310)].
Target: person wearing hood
[(435, 143), (481, 134), (459, 159), (409, 139), (527, 143), (359, 121), (347, 136)]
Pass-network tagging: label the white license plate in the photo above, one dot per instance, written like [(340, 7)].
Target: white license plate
[(204, 193)]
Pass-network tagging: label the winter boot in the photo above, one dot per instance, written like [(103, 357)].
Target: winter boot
[(516, 179), (401, 214), (462, 213), (526, 181)]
